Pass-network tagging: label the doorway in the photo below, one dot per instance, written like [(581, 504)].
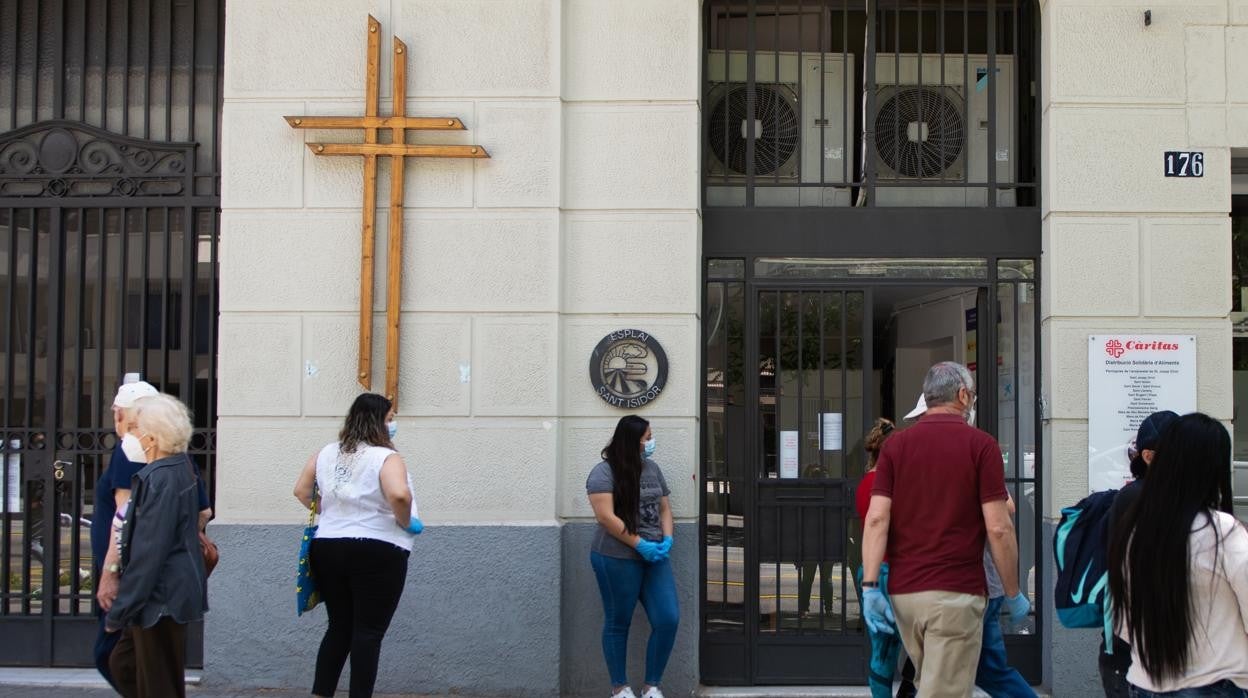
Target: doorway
[(109, 219), (832, 345)]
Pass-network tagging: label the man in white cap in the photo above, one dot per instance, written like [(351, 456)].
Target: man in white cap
[(112, 491)]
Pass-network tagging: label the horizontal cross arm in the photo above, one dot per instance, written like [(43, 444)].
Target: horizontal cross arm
[(420, 123), (399, 150)]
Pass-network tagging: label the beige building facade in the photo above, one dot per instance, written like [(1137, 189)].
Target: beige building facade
[(803, 202)]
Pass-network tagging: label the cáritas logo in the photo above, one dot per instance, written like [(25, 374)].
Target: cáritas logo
[(1116, 348)]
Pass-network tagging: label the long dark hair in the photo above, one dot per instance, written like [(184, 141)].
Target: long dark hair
[(366, 423), (624, 456), (1149, 570)]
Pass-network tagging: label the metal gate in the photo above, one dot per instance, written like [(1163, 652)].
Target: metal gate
[(109, 198), (799, 360)]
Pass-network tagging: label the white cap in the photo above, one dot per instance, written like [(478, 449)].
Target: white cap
[(919, 408), (130, 378), (129, 393)]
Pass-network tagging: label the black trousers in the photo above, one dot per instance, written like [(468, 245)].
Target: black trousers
[(1113, 669), (151, 662), (360, 581)]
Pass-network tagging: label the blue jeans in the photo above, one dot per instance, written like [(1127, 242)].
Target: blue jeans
[(1221, 689), (623, 583), (994, 673), (885, 648)]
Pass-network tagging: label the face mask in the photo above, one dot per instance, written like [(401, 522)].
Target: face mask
[(970, 416), (133, 449), (392, 428), (648, 447)]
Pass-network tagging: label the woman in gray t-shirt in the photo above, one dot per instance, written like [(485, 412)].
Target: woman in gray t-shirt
[(630, 552)]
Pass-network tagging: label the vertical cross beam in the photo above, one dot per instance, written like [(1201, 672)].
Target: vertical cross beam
[(368, 234), (397, 150), (394, 258)]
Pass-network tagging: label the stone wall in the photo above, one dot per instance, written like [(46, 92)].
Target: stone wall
[(1126, 249), (584, 220)]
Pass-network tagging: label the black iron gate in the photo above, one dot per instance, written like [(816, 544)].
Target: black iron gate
[(109, 197)]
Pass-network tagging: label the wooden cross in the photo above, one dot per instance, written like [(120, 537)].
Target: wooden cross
[(397, 150)]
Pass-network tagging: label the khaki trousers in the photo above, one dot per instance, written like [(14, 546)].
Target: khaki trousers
[(942, 632)]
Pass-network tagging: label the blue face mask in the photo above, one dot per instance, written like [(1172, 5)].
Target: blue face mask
[(648, 447), (392, 428)]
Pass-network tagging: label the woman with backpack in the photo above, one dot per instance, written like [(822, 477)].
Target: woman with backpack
[(630, 553), (1178, 570), (1114, 662)]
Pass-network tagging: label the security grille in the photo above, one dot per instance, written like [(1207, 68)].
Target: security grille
[(109, 211)]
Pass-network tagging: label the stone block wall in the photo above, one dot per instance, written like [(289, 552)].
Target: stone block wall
[(1126, 249), (585, 220)]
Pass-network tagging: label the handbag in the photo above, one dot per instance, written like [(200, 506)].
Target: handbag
[(212, 554), (306, 595)]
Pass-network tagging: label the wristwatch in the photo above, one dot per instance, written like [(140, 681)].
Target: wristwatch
[(870, 585), (114, 568)]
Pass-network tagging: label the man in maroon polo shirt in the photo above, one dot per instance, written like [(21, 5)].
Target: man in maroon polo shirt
[(939, 492)]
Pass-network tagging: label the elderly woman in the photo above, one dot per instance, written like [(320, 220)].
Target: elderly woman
[(163, 581)]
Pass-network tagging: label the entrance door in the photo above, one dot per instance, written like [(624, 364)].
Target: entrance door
[(813, 352), (109, 211)]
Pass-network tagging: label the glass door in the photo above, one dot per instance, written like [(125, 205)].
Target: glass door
[(813, 352)]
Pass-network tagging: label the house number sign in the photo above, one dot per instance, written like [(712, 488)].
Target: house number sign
[(1181, 163)]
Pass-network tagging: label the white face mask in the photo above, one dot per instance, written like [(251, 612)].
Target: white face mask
[(133, 449), (392, 428), (970, 416)]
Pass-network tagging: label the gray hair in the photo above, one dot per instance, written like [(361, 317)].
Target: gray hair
[(940, 386), (166, 419)]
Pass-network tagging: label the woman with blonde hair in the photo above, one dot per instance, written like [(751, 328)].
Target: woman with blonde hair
[(163, 580)]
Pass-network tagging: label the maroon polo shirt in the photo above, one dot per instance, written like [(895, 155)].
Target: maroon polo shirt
[(938, 473)]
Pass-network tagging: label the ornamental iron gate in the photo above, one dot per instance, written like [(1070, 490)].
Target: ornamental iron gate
[(109, 198)]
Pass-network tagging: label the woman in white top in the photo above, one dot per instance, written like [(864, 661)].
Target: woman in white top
[(364, 537), (1178, 570)]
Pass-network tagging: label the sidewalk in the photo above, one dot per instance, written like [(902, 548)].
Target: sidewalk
[(191, 692)]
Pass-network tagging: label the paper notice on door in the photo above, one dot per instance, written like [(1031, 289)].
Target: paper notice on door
[(831, 429), (789, 441), (11, 498)]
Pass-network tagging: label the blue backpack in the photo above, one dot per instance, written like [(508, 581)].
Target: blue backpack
[(1080, 549)]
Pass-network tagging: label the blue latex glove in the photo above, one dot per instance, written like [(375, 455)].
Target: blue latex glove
[(877, 611), (649, 550), (665, 548), (1018, 606), (414, 526)]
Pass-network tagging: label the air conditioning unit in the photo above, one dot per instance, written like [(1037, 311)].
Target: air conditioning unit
[(800, 132), (937, 128)]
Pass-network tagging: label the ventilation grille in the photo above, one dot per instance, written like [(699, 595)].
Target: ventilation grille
[(919, 131), (778, 129)]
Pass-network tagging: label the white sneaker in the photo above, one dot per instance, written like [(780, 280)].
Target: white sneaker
[(625, 692), (652, 692)]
